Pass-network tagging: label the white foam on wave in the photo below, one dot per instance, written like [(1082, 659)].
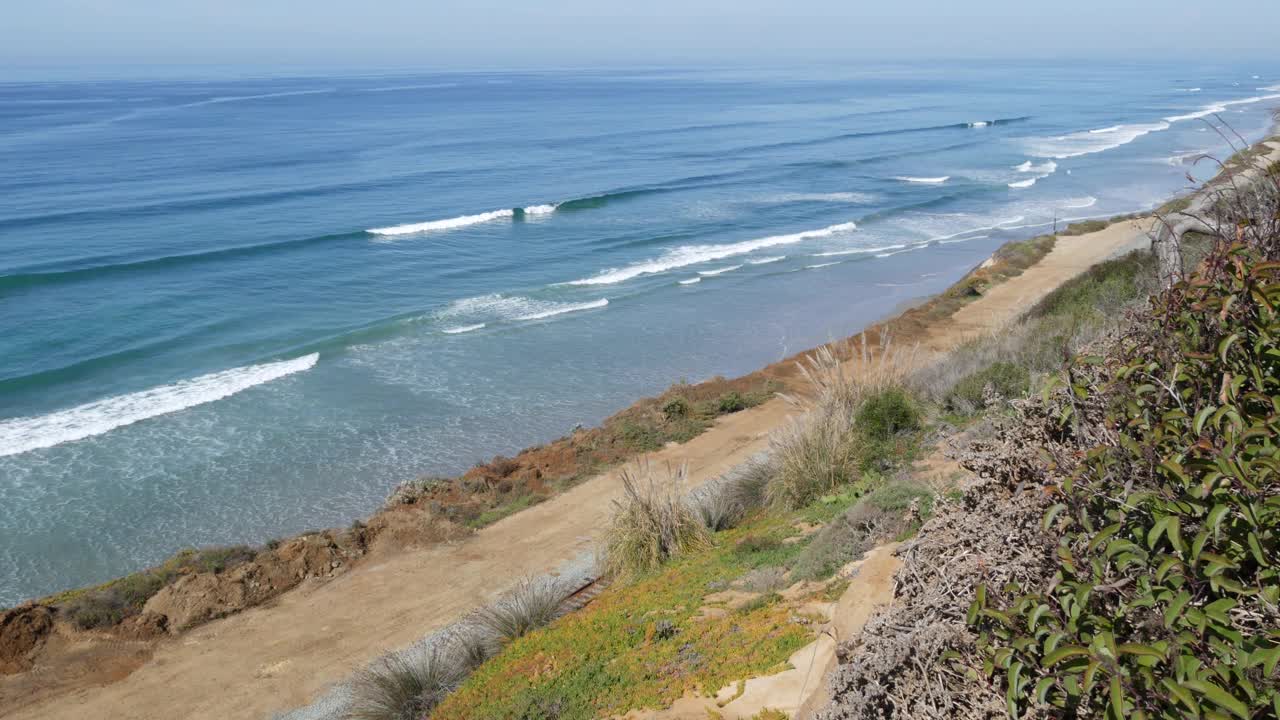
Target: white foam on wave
[(997, 226), (718, 271), (912, 248), (1089, 141), (1074, 204), (960, 240), (264, 96), (24, 434), (1270, 88), (691, 281), (446, 224), (767, 260), (1220, 107), (831, 197), (923, 180), (857, 251), (1043, 168), (979, 124), (1023, 183), (463, 220), (396, 88), (565, 308), (463, 329), (696, 254), (821, 265), (1189, 90), (497, 306)]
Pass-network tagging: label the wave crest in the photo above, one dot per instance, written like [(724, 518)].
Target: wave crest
[(696, 254), (33, 433)]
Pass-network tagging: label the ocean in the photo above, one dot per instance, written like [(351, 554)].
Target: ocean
[(233, 309)]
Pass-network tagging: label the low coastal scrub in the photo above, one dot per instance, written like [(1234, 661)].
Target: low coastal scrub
[(112, 602), (1115, 553), (646, 642), (1165, 582)]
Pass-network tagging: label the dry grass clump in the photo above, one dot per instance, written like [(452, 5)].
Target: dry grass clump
[(820, 450), (531, 604), (651, 523), (403, 686), (723, 503)]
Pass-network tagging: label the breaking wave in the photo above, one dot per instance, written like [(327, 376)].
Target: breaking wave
[(509, 308), (1023, 183), (463, 220), (719, 271), (767, 260), (696, 254), (925, 180), (1089, 141), (33, 433), (463, 329)]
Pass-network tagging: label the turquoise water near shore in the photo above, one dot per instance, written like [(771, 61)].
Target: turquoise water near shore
[(239, 308)]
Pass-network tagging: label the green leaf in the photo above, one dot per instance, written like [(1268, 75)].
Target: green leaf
[(1218, 609), (1052, 513), (1158, 529), (1175, 608), (1135, 649), (1063, 653), (1182, 696), (1103, 535), (1042, 689), (1117, 698), (1218, 696), (1201, 417)]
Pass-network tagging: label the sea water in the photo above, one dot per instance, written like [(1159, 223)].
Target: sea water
[(236, 308)]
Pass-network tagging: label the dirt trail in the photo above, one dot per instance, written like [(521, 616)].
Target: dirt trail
[(285, 654)]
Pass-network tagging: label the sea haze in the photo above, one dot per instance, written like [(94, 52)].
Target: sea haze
[(233, 310)]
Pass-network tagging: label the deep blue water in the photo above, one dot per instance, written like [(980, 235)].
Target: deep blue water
[(201, 340)]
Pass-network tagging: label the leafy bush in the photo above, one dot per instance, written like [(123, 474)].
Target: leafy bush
[(651, 524), (1164, 602), (1009, 380), (731, 402), (676, 407), (887, 413)]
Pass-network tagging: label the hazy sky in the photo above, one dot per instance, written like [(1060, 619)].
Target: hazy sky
[(487, 33)]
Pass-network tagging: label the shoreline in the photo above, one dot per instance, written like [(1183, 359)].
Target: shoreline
[(430, 527)]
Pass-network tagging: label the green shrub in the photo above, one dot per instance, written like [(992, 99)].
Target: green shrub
[(1085, 227), (676, 407), (887, 413), (731, 402), (1009, 380), (1163, 603)]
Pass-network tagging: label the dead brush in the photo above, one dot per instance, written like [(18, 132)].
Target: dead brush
[(651, 523)]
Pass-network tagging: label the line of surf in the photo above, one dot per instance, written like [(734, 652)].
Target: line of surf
[(566, 308), (697, 254), (923, 180), (25, 434), (1218, 107), (21, 279)]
